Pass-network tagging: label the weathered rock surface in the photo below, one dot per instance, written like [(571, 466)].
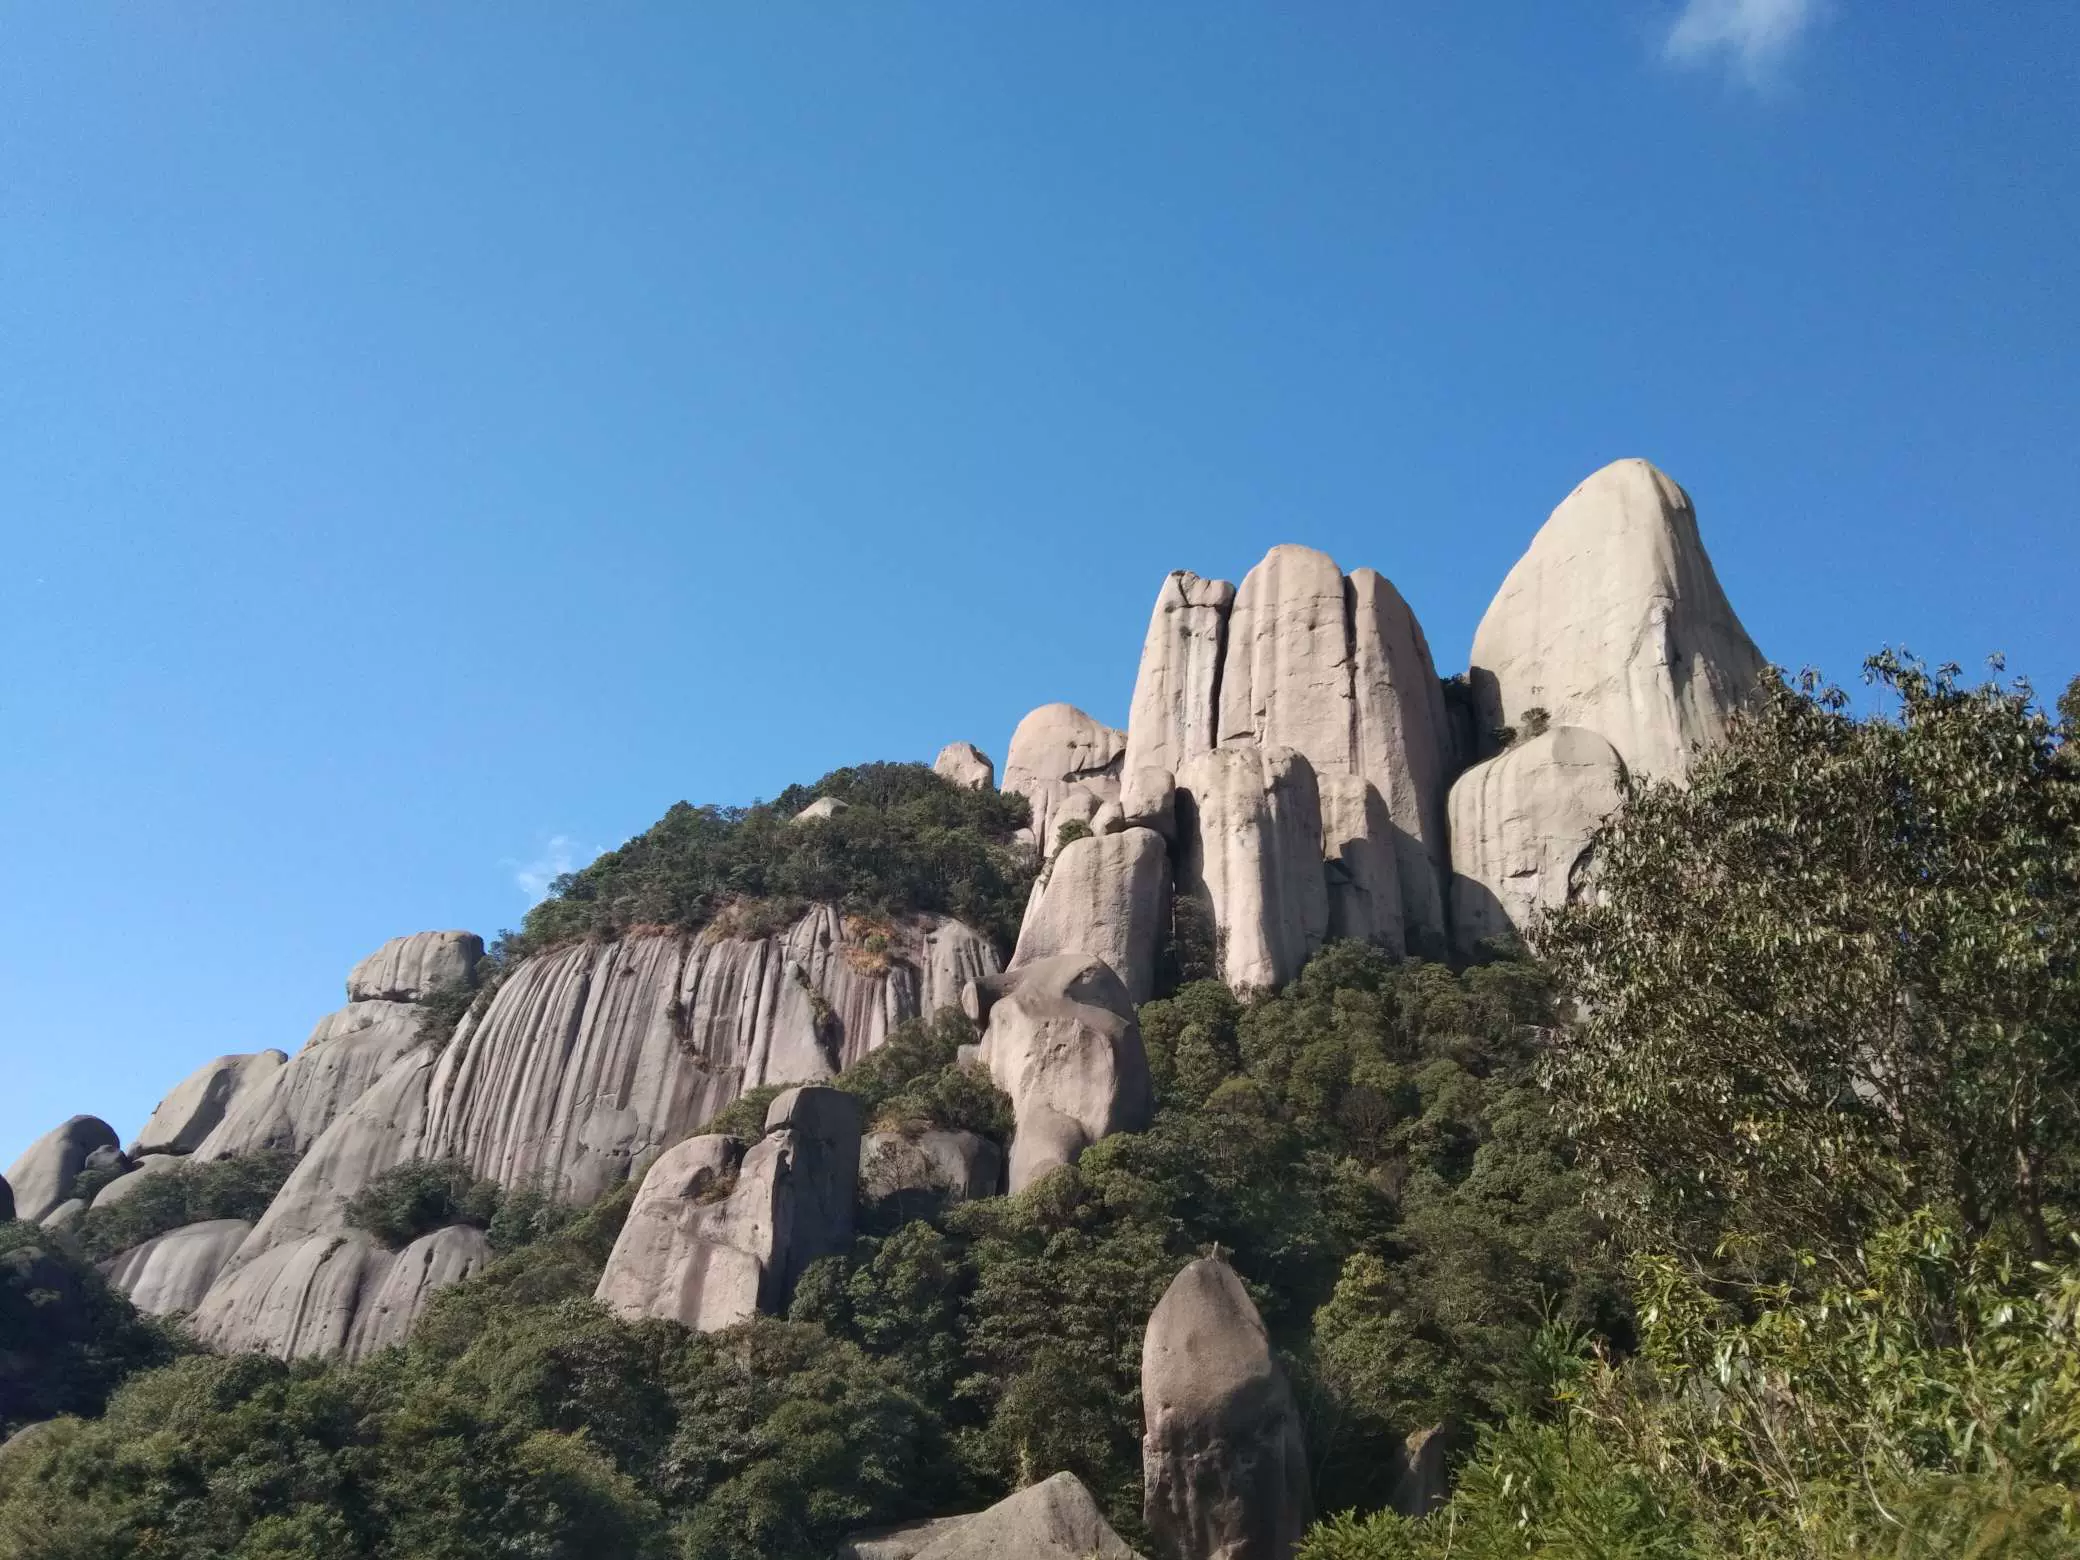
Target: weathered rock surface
[(937, 1165), (65, 1215), (717, 1233), (1614, 620), (1148, 800), (1108, 895), (965, 765), (294, 1300), (346, 1053), (1521, 825), (593, 1055), (42, 1178), (191, 1112), (385, 1313), (1362, 871), (1175, 715), (1249, 823), (1055, 1519), (822, 807), (1286, 677), (6, 1201), (1061, 1039), (1420, 1484), (899, 1543), (172, 1272), (1224, 1467), (1066, 765), (411, 969), (125, 1185)]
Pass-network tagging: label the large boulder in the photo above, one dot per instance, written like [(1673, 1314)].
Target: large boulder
[(1055, 1519), (1066, 765), (1362, 868), (128, 1184), (171, 1273), (291, 1107), (191, 1112), (1224, 1466), (1175, 715), (934, 1167), (42, 1178), (1108, 895), (295, 1300), (717, 1233), (1061, 1039), (411, 969), (1521, 827), (966, 765), (1614, 620), (1249, 825), (6, 1201), (384, 1314)]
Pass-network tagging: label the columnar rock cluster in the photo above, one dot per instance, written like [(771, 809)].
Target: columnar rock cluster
[(1292, 770)]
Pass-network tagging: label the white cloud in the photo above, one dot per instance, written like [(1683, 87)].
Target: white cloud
[(1751, 37), (560, 854)]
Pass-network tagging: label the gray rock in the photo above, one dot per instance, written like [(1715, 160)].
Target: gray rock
[(125, 1185), (199, 1102), (108, 1157), (1286, 672), (937, 1165), (1249, 828), (592, 1056), (1061, 1039), (1614, 620), (410, 969), (899, 1543), (171, 1273), (295, 1300), (966, 765), (716, 1234), (1224, 1466), (346, 1053), (6, 1201), (383, 1318), (1361, 868), (1055, 1519), (1420, 1483), (1108, 895), (1148, 800), (66, 1214), (42, 1178), (1521, 826), (1066, 765), (822, 807), (1175, 715)]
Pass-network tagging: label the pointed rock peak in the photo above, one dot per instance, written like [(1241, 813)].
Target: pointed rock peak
[(1205, 1340), (966, 765), (1615, 620)]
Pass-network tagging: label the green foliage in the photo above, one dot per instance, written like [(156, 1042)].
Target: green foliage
[(907, 840), (1837, 977), (186, 1193), (420, 1196), (66, 1338), (1072, 829), (912, 1081), (744, 1117)]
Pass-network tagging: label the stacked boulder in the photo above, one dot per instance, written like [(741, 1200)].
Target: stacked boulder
[(1612, 653)]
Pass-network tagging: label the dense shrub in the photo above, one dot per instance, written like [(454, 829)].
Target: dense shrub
[(186, 1193), (420, 1196), (66, 1338), (906, 840)]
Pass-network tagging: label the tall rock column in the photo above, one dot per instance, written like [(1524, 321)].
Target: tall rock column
[(1107, 895), (1223, 1462), (1175, 715), (1249, 822), (1066, 765)]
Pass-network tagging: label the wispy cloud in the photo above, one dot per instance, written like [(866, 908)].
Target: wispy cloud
[(1751, 38), (559, 854)]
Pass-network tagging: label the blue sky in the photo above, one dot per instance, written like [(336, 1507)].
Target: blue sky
[(434, 439)]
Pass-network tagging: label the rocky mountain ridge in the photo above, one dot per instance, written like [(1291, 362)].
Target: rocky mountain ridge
[(1293, 770)]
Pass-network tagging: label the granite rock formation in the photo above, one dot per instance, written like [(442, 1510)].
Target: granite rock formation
[(935, 1166), (191, 1112), (1249, 823), (42, 1178), (1055, 1519), (6, 1201), (1066, 765), (966, 765), (411, 969), (1175, 715), (1614, 620), (1061, 1039), (1224, 1467), (1107, 895), (171, 1273)]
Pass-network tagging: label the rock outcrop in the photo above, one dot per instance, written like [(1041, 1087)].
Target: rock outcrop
[(191, 1112), (1108, 895), (1175, 715), (171, 1273), (1066, 765), (717, 1233), (288, 1109), (42, 1178), (6, 1201), (294, 1300), (1521, 825), (1055, 1519), (383, 1316), (594, 1055), (1061, 1039), (966, 765), (1224, 1467), (128, 1184), (411, 969), (1614, 620), (1250, 825), (936, 1166)]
